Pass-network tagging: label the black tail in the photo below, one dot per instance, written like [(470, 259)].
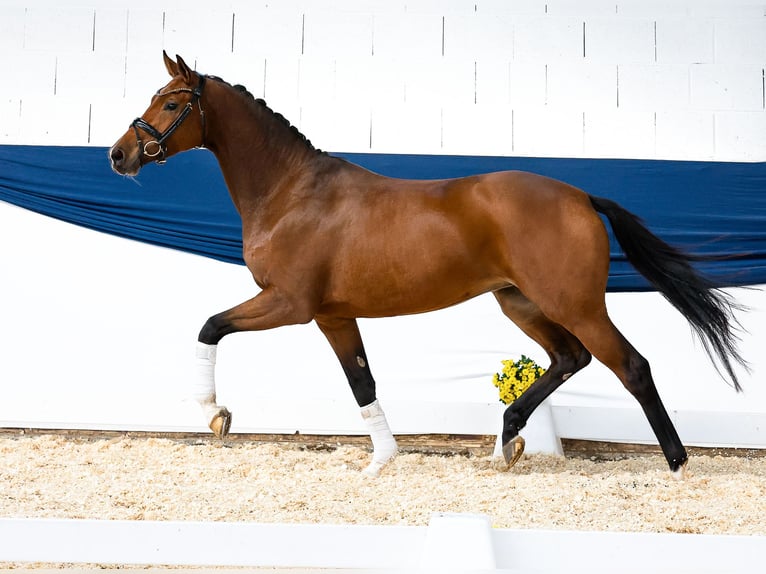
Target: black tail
[(709, 310)]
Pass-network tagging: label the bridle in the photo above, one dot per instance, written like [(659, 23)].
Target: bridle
[(161, 137)]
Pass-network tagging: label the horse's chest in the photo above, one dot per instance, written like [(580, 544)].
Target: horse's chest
[(278, 263)]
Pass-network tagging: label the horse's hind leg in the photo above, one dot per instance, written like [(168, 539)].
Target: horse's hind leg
[(567, 356), (346, 341), (609, 346)]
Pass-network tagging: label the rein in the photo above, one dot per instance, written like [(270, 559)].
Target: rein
[(161, 137)]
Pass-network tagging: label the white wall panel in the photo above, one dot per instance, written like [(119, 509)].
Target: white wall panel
[(198, 31), (740, 136), (478, 35), (678, 57), (477, 130), (547, 132), (10, 112), (619, 134), (244, 69), (741, 41), (11, 28), (493, 81), (330, 34), (269, 31), (444, 81), (145, 74), (653, 8), (316, 79), (58, 29), (726, 87), (582, 85), (440, 7), (406, 128), (619, 40), (28, 74), (685, 135), (688, 41), (281, 83), (528, 84), (41, 121), (745, 9), (653, 86), (548, 39), (145, 33), (75, 77), (407, 35), (336, 126), (110, 30), (590, 8), (515, 8), (144, 70), (369, 79)]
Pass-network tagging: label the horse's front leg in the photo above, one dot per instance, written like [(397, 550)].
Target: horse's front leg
[(344, 337), (266, 310)]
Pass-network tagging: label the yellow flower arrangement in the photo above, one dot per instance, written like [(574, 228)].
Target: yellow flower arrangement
[(516, 377)]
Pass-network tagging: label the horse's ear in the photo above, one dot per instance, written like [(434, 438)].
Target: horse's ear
[(170, 65), (183, 69)]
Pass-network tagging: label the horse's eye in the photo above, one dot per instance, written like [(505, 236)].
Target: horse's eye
[(170, 106)]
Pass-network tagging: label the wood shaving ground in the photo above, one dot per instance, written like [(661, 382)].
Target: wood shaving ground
[(166, 479)]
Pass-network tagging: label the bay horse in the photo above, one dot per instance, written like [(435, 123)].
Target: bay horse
[(329, 241)]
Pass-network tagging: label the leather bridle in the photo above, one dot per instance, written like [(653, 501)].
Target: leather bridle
[(161, 137)]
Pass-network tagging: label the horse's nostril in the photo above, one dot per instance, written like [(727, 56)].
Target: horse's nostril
[(117, 156)]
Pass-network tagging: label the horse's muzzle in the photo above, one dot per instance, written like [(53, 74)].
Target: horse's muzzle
[(122, 162)]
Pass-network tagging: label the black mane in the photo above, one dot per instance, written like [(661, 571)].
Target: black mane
[(262, 103)]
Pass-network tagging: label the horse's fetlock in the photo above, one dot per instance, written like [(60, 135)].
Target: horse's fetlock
[(512, 424)]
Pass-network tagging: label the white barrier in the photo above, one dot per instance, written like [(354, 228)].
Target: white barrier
[(451, 542), (76, 353)]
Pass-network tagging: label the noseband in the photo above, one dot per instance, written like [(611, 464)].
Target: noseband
[(161, 137)]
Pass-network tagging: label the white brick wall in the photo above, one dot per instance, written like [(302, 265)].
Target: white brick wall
[(632, 78)]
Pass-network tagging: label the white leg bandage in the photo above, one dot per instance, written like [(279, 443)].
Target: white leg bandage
[(383, 442), (203, 387)]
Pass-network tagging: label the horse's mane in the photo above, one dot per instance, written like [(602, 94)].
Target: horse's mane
[(244, 92)]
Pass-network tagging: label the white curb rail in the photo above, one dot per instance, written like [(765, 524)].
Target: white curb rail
[(456, 542)]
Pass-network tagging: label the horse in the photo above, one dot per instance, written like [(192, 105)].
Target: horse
[(329, 241)]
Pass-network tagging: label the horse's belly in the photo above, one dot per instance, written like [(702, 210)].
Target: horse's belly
[(387, 298)]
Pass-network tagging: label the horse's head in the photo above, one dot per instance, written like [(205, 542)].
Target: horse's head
[(167, 126)]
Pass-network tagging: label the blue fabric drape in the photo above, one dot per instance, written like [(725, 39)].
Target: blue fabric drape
[(716, 208)]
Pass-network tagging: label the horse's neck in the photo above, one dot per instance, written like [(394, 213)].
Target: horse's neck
[(257, 153)]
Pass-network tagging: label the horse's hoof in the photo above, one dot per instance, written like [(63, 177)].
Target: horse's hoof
[(221, 423), (513, 449), (680, 472), (378, 462), (373, 469)]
